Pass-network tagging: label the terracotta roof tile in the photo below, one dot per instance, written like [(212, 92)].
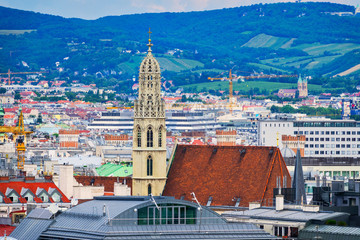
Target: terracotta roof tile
[(32, 186), (107, 182), (225, 173)]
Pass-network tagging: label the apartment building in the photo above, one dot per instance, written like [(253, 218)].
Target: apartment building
[(323, 137)]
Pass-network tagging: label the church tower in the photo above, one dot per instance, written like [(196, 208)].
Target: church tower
[(149, 134), (302, 87)]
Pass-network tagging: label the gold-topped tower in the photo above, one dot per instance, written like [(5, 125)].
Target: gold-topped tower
[(149, 134)]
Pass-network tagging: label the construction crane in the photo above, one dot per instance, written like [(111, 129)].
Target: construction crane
[(230, 79), (111, 108), (20, 138), (9, 73)]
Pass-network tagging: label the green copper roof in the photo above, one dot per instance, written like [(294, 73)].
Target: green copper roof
[(114, 170)]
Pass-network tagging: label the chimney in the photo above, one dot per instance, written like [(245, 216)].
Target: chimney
[(253, 205), (104, 210), (279, 202)]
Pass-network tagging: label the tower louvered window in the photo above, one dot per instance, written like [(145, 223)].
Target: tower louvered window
[(150, 142), (149, 189), (160, 136), (138, 136), (149, 164)]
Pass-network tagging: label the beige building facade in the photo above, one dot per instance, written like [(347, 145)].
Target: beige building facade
[(149, 134)]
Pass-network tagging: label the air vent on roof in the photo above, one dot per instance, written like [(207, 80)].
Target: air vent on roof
[(209, 201), (242, 151), (214, 150), (237, 201)]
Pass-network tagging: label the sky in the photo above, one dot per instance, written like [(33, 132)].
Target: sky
[(93, 9)]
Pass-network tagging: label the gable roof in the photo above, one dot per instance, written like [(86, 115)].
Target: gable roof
[(34, 187), (225, 173)]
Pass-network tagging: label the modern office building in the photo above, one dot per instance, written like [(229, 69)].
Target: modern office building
[(324, 137)]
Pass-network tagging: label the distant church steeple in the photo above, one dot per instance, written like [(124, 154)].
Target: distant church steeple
[(149, 133), (298, 179), (302, 87)]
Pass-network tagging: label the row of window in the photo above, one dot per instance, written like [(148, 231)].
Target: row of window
[(333, 139), (278, 124), (173, 214), (332, 145), (149, 137), (327, 132), (324, 124), (307, 153)]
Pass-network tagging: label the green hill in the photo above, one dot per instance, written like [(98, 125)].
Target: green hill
[(270, 38)]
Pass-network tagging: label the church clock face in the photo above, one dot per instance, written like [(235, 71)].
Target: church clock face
[(149, 134)]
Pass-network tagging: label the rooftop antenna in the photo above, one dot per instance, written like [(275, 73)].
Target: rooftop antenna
[(199, 208), (153, 200), (158, 208), (194, 198)]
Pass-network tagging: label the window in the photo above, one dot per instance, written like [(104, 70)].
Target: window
[(149, 189), (167, 214), (149, 165), (138, 136), (150, 137), (160, 136)]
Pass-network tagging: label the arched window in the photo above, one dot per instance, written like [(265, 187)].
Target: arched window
[(160, 136), (149, 169), (149, 189), (150, 137), (138, 136)]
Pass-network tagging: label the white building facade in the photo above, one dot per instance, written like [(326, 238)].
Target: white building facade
[(324, 137)]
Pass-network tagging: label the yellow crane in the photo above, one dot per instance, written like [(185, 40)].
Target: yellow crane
[(9, 73), (20, 138), (230, 79)]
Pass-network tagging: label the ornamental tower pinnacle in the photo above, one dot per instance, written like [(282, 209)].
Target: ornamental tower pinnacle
[(149, 134)]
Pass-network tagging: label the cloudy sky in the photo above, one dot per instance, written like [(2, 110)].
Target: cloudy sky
[(92, 9)]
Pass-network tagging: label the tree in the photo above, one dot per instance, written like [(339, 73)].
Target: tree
[(17, 96), (2, 90)]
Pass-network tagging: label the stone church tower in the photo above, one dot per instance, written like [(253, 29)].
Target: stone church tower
[(302, 87), (149, 134)]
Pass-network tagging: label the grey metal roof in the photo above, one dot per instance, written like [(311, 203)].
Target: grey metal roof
[(30, 228), (88, 221), (330, 232), (287, 214), (40, 213)]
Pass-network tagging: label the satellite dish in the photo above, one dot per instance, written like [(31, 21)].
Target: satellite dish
[(74, 202), (53, 208)]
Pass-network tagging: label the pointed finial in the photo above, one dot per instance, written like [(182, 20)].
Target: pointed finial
[(149, 44), (277, 139)]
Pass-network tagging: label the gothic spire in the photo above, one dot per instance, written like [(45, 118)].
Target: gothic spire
[(149, 44), (298, 178)]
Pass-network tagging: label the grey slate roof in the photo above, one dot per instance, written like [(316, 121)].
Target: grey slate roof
[(288, 215), (88, 221), (40, 213), (330, 232), (30, 228)]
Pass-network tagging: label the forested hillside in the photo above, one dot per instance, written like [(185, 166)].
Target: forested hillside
[(272, 38)]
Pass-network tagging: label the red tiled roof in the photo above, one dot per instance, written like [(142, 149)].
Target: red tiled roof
[(107, 182), (225, 173), (37, 200), (32, 186), (6, 229)]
